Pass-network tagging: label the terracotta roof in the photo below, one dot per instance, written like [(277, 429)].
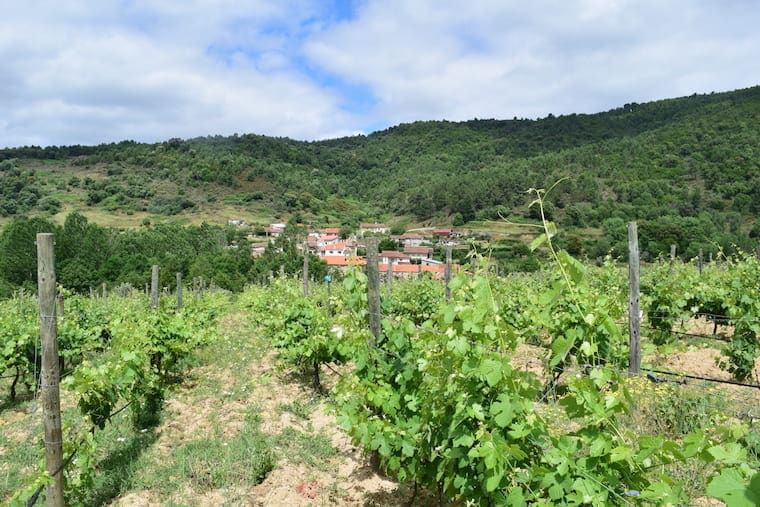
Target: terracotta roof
[(328, 238), (392, 254), (418, 250), (330, 230), (337, 246)]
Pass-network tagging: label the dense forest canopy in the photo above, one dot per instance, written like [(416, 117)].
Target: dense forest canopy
[(688, 169)]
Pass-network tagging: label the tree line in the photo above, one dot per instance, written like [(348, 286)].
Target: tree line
[(88, 255)]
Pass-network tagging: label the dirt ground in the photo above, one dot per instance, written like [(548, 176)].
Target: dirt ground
[(347, 479)]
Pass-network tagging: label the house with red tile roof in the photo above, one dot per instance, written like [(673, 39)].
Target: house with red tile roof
[(391, 256), (374, 228), (344, 248), (419, 252)]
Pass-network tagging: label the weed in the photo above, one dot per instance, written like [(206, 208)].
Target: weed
[(312, 450), (299, 408)]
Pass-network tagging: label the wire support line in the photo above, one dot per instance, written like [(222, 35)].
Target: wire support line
[(706, 379), (692, 335)]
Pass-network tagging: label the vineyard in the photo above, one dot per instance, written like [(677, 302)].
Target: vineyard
[(501, 391)]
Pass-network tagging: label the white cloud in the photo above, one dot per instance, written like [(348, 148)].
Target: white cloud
[(88, 71), (512, 58)]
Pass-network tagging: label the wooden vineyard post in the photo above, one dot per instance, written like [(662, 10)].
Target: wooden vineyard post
[(699, 261), (672, 258), (105, 291), (203, 287), (389, 278), (634, 315), (305, 270), (447, 272), (51, 402), (179, 292), (154, 288), (373, 289)]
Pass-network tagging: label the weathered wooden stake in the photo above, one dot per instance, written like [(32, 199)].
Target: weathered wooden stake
[(51, 402), (672, 258), (373, 289), (634, 315), (699, 261), (154, 287), (105, 290), (447, 273), (179, 292), (305, 270)]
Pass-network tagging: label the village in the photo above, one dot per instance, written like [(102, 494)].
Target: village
[(413, 257)]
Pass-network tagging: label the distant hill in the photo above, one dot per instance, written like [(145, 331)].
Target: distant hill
[(688, 169)]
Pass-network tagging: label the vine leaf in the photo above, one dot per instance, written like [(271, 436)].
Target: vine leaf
[(730, 487)]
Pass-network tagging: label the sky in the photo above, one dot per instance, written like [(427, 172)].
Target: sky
[(101, 71)]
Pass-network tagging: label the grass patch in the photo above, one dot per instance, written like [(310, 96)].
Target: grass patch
[(300, 408), (304, 448), (214, 463)]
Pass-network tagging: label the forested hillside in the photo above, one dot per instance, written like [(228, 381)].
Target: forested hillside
[(687, 169)]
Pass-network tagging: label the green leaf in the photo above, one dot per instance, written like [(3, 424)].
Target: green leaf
[(493, 481), (464, 441), (490, 369), (731, 487), (537, 242), (621, 453), (729, 454), (561, 347), (502, 411), (516, 498)]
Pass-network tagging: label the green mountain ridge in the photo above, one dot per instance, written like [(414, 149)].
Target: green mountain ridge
[(688, 169)]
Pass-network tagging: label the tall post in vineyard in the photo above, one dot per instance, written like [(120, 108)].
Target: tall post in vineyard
[(51, 402), (305, 269), (447, 272), (634, 315), (105, 291), (699, 260), (672, 258), (373, 289), (179, 292), (154, 287), (389, 278)]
